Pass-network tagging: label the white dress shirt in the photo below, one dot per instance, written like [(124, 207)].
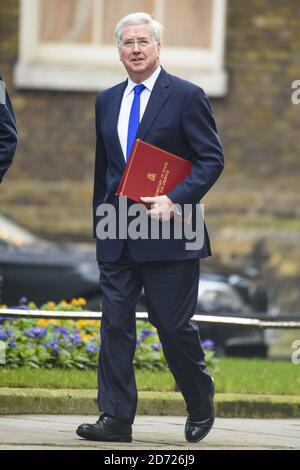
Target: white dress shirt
[(127, 102)]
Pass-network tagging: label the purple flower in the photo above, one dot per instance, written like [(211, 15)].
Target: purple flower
[(3, 334), (208, 344), (19, 307), (23, 301), (4, 319), (36, 332), (145, 332), (76, 340), (53, 342), (61, 330), (156, 346), (91, 347), (12, 344), (64, 331)]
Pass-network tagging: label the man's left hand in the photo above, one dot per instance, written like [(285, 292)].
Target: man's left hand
[(162, 208)]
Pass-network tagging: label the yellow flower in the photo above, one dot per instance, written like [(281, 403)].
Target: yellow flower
[(51, 305), (85, 336), (80, 324), (54, 322), (81, 301), (74, 302), (63, 303), (3, 306), (43, 322), (32, 306)]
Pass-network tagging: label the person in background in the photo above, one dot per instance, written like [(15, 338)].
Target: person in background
[(8, 131)]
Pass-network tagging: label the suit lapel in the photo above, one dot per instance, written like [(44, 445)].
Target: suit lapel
[(158, 97), (115, 104)]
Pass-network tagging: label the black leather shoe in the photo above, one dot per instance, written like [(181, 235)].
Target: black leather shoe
[(197, 428), (107, 429)]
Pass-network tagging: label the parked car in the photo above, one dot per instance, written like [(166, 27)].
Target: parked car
[(42, 270), (235, 296)]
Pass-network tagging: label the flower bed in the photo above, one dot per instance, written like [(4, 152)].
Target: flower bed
[(70, 343)]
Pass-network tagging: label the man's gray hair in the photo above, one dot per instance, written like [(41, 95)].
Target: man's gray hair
[(139, 18)]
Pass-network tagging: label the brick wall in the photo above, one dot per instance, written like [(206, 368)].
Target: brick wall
[(258, 123)]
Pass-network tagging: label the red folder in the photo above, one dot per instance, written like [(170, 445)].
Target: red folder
[(151, 171)]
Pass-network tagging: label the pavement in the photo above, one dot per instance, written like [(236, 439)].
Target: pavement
[(55, 432)]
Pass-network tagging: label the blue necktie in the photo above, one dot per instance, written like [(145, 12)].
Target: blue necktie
[(134, 118)]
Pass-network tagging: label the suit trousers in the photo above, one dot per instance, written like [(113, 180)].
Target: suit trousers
[(171, 292)]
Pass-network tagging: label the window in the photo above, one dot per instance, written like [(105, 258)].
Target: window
[(69, 44)]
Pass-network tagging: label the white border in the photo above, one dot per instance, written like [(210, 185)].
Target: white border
[(93, 67)]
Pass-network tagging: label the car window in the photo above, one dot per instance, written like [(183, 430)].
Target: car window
[(219, 297), (12, 234)]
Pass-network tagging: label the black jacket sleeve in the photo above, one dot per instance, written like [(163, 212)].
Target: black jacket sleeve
[(8, 131)]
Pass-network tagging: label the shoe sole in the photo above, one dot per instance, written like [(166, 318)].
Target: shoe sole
[(111, 438)]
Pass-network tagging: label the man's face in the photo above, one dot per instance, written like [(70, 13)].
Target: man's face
[(139, 52)]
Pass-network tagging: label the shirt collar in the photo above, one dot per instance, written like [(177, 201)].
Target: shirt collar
[(149, 82)]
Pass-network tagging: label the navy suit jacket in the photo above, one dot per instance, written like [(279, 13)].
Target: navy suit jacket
[(178, 118), (8, 131)]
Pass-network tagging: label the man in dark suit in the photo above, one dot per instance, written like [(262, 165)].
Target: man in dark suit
[(174, 115), (8, 131)]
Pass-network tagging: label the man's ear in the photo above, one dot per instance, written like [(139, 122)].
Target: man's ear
[(120, 56), (158, 48)]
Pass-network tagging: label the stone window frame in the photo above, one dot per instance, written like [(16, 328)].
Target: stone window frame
[(87, 68)]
